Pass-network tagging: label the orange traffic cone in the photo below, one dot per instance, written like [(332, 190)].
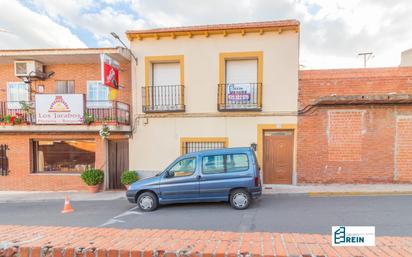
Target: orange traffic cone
[(67, 206)]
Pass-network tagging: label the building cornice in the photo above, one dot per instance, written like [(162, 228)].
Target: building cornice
[(220, 29)]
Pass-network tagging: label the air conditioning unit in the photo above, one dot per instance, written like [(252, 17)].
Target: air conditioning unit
[(31, 68)]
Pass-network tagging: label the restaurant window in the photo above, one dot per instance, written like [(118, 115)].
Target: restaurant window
[(16, 93), (63, 156), (97, 95), (64, 87)]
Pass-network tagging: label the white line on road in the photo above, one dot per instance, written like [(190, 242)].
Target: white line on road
[(123, 214)]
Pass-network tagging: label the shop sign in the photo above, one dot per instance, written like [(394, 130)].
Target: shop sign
[(59, 108)]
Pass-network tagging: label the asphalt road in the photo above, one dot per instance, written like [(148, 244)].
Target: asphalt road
[(278, 213)]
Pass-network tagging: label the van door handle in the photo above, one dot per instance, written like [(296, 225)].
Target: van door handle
[(199, 177)]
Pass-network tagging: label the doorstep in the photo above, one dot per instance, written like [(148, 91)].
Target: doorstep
[(339, 189)]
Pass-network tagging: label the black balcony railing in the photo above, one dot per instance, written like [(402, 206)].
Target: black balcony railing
[(109, 111), (240, 97), (16, 113), (169, 98)]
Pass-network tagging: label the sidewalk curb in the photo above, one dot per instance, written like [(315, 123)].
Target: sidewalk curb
[(359, 193)]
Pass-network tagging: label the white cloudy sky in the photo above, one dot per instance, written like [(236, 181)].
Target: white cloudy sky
[(332, 31)]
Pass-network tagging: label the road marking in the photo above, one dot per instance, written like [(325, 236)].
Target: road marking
[(111, 221), (116, 219)]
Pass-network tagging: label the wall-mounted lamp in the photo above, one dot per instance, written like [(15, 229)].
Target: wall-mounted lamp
[(253, 146)]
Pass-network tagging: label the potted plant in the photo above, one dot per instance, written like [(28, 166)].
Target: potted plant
[(88, 118), (128, 177), (93, 178)]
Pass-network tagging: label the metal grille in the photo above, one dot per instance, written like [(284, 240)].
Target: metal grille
[(190, 147), (4, 162), (164, 98)]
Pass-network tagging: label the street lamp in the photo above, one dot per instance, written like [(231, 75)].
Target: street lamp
[(125, 46)]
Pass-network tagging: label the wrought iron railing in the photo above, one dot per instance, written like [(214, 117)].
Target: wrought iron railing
[(239, 97), (167, 98), (109, 111), (16, 113)]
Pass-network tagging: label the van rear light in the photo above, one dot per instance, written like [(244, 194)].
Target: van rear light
[(257, 182)]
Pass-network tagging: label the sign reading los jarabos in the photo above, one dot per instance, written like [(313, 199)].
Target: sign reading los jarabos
[(59, 109)]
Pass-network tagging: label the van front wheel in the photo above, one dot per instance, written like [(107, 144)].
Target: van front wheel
[(240, 199), (147, 201)]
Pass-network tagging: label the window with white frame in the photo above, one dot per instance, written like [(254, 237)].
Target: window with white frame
[(241, 83), (16, 93), (64, 87), (97, 95)]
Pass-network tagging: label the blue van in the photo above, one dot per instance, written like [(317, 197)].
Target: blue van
[(229, 174)]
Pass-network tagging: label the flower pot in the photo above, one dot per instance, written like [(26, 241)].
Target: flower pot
[(127, 187), (94, 189)]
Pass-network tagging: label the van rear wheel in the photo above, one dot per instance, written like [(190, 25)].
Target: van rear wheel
[(240, 199), (147, 201)]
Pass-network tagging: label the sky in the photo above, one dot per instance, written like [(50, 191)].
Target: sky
[(333, 32)]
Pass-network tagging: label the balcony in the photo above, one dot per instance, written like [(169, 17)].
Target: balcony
[(168, 98), (96, 112), (240, 97)]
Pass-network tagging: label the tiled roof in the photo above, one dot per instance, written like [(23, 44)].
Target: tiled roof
[(248, 25)]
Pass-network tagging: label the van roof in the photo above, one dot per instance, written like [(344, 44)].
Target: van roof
[(221, 151)]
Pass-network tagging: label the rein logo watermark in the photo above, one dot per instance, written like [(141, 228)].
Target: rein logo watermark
[(353, 236)]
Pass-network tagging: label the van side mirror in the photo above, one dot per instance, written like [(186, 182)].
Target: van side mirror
[(170, 174)]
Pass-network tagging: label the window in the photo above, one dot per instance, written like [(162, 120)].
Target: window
[(64, 87), (190, 145), (225, 163), (97, 95), (213, 164), (17, 92), (164, 88), (4, 161), (63, 156), (237, 162), (183, 168), (240, 81)]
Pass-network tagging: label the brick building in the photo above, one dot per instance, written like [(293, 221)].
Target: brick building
[(355, 126), (51, 156)]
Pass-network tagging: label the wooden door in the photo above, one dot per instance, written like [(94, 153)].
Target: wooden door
[(278, 157), (118, 162)]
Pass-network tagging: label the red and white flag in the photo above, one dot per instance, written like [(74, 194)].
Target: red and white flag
[(110, 71)]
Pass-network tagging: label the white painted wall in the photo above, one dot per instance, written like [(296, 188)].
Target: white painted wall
[(156, 141)]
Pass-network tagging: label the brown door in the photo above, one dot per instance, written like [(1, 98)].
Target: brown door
[(277, 157), (118, 162)]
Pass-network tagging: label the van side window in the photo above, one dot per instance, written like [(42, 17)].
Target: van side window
[(237, 162), (213, 164), (185, 167)]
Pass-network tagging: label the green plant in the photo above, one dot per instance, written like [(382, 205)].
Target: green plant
[(88, 118), (7, 118), (26, 107), (104, 132), (92, 177), (128, 177)]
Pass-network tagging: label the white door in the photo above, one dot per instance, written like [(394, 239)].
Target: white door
[(241, 83), (165, 91)]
